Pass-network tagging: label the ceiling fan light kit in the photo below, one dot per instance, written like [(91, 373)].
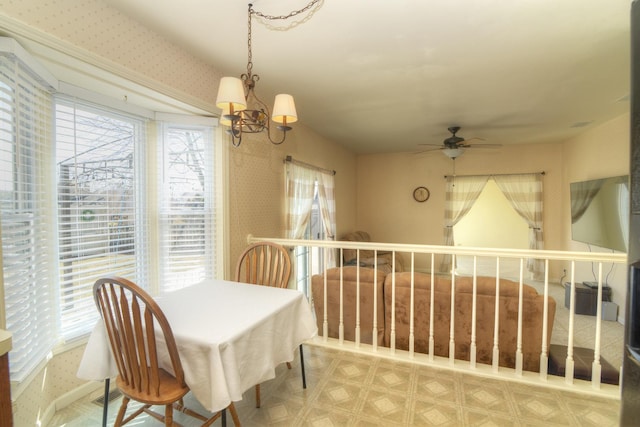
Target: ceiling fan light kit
[(454, 146), (452, 153), (242, 110)]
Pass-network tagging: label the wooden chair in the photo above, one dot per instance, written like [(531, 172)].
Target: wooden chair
[(133, 320), (266, 264)]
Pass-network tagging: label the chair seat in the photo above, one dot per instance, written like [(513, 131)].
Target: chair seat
[(170, 390)]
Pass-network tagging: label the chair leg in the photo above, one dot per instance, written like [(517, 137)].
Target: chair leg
[(257, 396), (121, 412), (168, 415), (234, 415)]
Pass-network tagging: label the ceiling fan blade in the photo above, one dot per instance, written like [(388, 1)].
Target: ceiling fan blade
[(430, 150), (430, 145), (475, 138), (482, 145)]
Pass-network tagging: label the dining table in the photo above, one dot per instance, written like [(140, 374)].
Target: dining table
[(230, 336)]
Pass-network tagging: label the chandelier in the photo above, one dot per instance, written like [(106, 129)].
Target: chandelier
[(242, 110)]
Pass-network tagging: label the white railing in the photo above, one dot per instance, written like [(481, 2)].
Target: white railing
[(516, 373)]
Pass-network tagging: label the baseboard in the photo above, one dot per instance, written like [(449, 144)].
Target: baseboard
[(72, 396)]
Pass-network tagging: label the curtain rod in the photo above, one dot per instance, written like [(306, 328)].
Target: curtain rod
[(318, 168), (498, 174)]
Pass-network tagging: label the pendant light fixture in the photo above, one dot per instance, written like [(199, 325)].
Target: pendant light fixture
[(242, 110)]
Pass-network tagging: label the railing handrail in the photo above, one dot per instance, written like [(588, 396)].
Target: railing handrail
[(380, 250), (617, 258)]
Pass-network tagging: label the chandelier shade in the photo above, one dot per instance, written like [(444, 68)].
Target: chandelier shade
[(231, 95), (284, 109)]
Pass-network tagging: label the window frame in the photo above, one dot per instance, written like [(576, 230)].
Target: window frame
[(219, 196)]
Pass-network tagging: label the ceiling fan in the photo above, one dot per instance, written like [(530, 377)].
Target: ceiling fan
[(454, 146)]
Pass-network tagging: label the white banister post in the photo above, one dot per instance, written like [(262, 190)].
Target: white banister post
[(452, 341), (341, 317), (596, 368), (431, 307), (374, 339), (495, 361), (544, 354), (569, 364), (519, 339), (411, 323), (392, 344), (357, 331), (473, 349), (325, 322)]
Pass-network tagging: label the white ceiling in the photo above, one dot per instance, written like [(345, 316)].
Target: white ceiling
[(384, 76)]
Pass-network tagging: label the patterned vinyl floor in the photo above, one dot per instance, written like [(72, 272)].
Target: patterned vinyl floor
[(345, 389)]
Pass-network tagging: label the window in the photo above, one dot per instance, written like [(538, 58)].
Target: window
[(186, 206), (26, 201), (98, 175), (82, 195)]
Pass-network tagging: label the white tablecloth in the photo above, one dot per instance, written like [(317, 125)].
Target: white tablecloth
[(230, 337)]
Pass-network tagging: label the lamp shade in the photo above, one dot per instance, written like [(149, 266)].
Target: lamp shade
[(284, 109), (231, 93)]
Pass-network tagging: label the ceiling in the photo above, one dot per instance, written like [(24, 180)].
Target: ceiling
[(386, 76)]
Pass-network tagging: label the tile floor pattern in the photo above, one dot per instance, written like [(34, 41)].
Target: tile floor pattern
[(346, 389)]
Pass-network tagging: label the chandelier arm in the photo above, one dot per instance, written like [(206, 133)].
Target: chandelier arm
[(284, 136), (236, 133)]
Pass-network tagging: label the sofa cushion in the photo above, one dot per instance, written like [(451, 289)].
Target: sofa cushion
[(369, 282), (485, 315)]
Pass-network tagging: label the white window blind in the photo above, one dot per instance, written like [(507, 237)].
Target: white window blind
[(98, 213), (76, 204), (26, 202), (186, 220)]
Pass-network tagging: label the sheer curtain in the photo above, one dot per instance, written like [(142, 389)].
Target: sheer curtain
[(300, 191), (461, 194), (524, 192), (327, 201)]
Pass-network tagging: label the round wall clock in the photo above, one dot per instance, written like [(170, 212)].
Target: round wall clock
[(421, 194)]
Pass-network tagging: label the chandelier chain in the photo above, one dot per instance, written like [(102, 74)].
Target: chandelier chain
[(250, 56), (291, 14), (269, 17)]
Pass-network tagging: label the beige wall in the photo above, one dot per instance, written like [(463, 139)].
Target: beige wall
[(256, 184), (386, 208), (598, 153)]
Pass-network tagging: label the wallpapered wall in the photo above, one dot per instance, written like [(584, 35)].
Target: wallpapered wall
[(401, 219), (386, 208), (98, 34), (256, 184)]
